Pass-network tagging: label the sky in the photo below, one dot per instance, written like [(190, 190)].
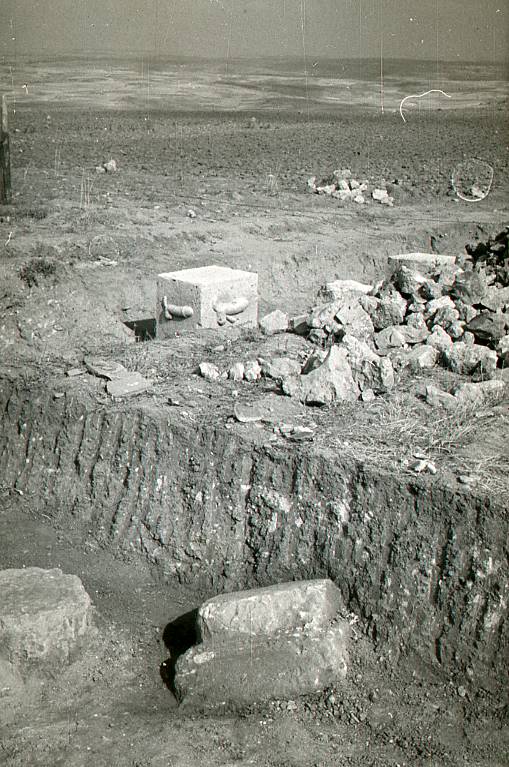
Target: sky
[(473, 30)]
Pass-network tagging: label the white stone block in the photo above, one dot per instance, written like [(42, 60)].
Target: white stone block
[(206, 297)]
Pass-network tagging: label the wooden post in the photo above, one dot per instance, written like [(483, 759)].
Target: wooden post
[(5, 158)]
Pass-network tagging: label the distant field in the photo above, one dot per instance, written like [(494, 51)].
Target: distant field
[(274, 85)]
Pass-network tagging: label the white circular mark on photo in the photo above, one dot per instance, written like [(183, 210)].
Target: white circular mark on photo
[(419, 96), (472, 180)]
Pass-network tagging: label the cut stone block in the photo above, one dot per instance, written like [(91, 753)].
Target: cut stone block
[(235, 674), (206, 297), (267, 611), (276, 642), (43, 615), (425, 263)]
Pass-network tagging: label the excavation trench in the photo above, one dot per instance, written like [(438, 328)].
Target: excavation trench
[(422, 564)]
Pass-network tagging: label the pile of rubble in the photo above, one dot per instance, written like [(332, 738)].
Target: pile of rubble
[(342, 186), (430, 311)]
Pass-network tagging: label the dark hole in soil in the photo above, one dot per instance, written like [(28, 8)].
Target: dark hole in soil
[(145, 330), (178, 636)]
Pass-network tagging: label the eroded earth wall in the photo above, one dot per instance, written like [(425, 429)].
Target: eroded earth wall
[(424, 564)]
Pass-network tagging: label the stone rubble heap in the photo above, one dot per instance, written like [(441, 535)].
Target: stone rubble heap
[(429, 312), (342, 186)]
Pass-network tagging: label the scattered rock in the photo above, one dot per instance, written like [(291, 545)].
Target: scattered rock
[(331, 381), (408, 281), (472, 393), (415, 330), (353, 319), (128, 386), (299, 324), (191, 213), (464, 359), (438, 398), (105, 368), (439, 339), (43, 615), (280, 367), (382, 196), (209, 371), (248, 413), (391, 337), (422, 358), (469, 287), (368, 369), (110, 166), (432, 307), (422, 465), (390, 310), (489, 328), (275, 322), (236, 372), (252, 371)]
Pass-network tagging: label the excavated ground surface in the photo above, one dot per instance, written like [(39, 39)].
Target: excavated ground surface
[(161, 501)]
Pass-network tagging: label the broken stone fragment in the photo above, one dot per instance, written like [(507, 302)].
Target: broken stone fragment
[(104, 368), (469, 287), (248, 413), (431, 290), (43, 615), (369, 370), (439, 339), (128, 386), (473, 393), (353, 319), (252, 371), (299, 324), (415, 330), (408, 281), (389, 310), (503, 350), (496, 298), (276, 642), (236, 371), (280, 367), (389, 338), (438, 398), (466, 312), (275, 322), (444, 316), (209, 371), (455, 329), (489, 328), (422, 358), (435, 304), (464, 359), (331, 381)]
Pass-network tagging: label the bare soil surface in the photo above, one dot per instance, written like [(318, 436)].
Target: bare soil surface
[(80, 252)]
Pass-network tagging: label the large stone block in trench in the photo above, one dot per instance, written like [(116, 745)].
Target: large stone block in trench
[(43, 615), (206, 297), (276, 642)]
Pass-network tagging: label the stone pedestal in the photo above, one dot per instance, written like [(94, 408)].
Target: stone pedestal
[(206, 297)]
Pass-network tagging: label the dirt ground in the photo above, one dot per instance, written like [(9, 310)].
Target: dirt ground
[(91, 246)]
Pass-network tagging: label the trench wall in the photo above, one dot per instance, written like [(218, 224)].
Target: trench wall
[(425, 566)]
